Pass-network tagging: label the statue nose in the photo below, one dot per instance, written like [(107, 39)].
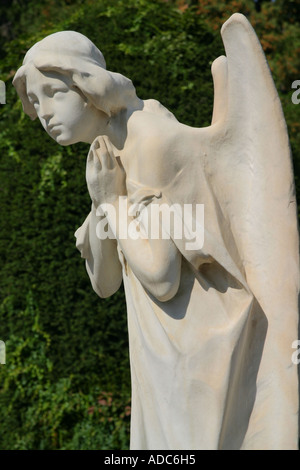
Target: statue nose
[(45, 111), (45, 115)]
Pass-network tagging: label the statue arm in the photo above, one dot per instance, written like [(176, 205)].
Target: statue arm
[(155, 262), (102, 262)]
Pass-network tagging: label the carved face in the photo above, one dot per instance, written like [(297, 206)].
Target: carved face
[(63, 111)]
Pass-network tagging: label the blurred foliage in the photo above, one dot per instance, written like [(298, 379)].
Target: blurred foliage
[(40, 413), (66, 384)]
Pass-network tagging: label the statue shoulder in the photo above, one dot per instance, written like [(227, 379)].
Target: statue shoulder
[(152, 148), (155, 107)]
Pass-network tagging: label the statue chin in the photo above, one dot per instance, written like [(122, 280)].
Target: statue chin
[(63, 141)]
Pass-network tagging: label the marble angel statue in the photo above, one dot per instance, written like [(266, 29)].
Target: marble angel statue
[(211, 325)]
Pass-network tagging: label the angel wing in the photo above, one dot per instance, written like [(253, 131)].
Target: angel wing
[(251, 172)]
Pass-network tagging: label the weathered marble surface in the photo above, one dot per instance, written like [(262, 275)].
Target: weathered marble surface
[(210, 328)]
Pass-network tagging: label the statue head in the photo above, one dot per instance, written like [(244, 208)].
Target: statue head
[(63, 80)]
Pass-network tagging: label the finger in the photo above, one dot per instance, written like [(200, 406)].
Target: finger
[(96, 143), (120, 164), (110, 150), (106, 154), (93, 160), (94, 146), (90, 156)]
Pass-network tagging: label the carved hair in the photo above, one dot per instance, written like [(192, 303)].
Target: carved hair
[(72, 54)]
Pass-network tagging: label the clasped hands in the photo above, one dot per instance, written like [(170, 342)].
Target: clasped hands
[(105, 175)]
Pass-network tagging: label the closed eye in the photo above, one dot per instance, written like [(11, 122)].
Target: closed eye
[(51, 91), (33, 99)]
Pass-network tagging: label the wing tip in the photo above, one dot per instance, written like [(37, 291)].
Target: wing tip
[(236, 18)]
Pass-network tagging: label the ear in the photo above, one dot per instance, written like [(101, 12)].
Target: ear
[(83, 96), (108, 91), (96, 90)]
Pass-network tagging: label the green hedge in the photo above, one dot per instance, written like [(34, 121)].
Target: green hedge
[(66, 384)]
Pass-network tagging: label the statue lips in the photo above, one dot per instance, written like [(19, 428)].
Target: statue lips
[(52, 127)]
